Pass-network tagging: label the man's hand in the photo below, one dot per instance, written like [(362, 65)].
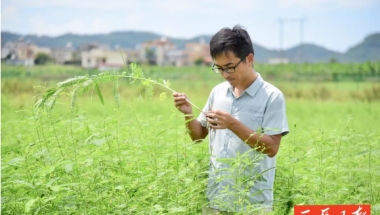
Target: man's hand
[(181, 103), (220, 119)]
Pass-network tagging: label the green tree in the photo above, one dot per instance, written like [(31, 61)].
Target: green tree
[(199, 61), (41, 58), (333, 60), (150, 55)]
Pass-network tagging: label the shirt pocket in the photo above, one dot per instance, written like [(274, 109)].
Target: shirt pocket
[(252, 120)]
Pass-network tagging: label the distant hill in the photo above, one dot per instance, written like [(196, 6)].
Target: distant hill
[(123, 39), (311, 53), (368, 50)]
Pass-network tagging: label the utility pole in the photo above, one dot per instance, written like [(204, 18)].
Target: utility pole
[(300, 54), (281, 38), (301, 22)]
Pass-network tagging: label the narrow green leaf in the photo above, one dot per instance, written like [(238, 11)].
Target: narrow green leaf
[(119, 187), (99, 93), (116, 92), (158, 207), (72, 81), (136, 71), (45, 97), (74, 96), (86, 85), (55, 188), (54, 98), (29, 205), (146, 82), (149, 92), (176, 209), (48, 199), (52, 181), (68, 168), (24, 183), (163, 96), (105, 77)]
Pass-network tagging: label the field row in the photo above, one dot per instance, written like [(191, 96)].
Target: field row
[(369, 71), (83, 157), (138, 159)]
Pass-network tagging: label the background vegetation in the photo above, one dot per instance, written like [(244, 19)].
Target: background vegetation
[(365, 50), (138, 159)]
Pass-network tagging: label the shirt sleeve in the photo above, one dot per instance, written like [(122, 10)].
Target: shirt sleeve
[(275, 119)]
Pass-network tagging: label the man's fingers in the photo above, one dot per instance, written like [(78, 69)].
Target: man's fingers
[(212, 115), (215, 126), (212, 120), (180, 101), (180, 97)]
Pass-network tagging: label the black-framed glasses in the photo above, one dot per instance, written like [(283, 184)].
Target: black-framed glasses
[(228, 70)]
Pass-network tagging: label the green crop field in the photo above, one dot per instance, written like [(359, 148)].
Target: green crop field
[(83, 157)]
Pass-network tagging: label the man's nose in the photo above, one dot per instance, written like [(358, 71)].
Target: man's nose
[(225, 74)]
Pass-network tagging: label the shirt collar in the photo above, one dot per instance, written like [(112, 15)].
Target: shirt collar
[(253, 88)]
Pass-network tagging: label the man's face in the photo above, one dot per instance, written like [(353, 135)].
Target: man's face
[(239, 68)]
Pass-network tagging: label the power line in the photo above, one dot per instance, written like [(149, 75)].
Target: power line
[(281, 35)]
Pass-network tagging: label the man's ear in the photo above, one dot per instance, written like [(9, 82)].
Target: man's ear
[(250, 58)]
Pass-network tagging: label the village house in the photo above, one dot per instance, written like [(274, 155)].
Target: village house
[(198, 53), (104, 59), (177, 58), (159, 52), (21, 52), (156, 52), (64, 55)]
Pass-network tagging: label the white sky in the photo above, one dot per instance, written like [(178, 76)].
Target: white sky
[(334, 24)]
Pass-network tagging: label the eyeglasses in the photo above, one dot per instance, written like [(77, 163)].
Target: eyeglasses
[(228, 70)]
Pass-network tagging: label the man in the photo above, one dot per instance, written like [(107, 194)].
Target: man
[(245, 118)]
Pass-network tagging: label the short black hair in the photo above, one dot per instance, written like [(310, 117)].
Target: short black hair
[(236, 40)]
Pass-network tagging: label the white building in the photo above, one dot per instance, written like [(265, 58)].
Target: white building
[(278, 60), (62, 55), (107, 59)]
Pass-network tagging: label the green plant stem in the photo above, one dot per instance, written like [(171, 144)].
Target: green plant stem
[(158, 83), (56, 137)]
